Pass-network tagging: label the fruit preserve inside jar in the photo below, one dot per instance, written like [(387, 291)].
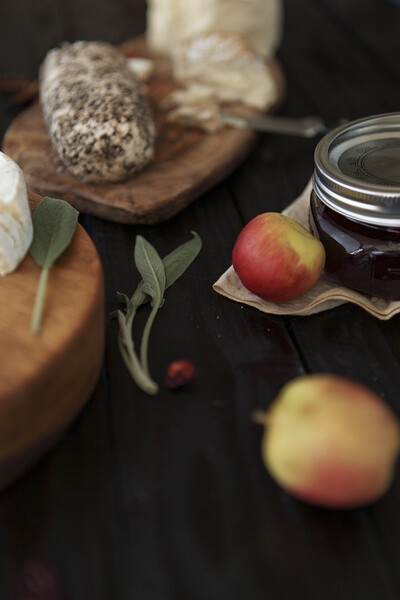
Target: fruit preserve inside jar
[(355, 204), (365, 258)]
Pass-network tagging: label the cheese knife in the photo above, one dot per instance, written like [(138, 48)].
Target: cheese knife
[(307, 127)]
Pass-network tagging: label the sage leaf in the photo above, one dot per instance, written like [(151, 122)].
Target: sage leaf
[(180, 259), (54, 224), (151, 268), (175, 264), (157, 275), (123, 298), (139, 297)]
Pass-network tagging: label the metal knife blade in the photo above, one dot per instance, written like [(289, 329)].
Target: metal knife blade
[(307, 127)]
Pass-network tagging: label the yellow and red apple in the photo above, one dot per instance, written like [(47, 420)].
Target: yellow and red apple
[(276, 258), (331, 441)]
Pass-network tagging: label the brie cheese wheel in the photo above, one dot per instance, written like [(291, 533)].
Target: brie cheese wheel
[(16, 229), (172, 21)]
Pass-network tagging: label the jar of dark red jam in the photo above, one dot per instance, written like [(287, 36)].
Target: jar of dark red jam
[(355, 204)]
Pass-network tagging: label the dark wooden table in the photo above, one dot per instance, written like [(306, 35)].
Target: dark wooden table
[(166, 497)]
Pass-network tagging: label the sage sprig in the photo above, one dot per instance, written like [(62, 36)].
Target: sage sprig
[(152, 270), (157, 275), (54, 224)]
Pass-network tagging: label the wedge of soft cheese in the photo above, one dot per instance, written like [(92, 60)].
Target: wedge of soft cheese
[(224, 66), (169, 22), (16, 229), (214, 70)]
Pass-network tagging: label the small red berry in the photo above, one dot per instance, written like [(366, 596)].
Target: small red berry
[(179, 373)]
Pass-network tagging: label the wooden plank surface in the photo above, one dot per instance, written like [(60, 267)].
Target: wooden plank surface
[(166, 497)]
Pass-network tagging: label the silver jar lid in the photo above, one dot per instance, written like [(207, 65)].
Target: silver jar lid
[(357, 170)]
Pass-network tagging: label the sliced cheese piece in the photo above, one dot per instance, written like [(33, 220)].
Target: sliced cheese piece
[(222, 68), (172, 21), (16, 229)]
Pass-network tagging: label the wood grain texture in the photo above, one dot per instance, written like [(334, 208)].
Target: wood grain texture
[(46, 379), (187, 161)]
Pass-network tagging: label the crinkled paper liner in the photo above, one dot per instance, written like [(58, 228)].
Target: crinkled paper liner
[(324, 295)]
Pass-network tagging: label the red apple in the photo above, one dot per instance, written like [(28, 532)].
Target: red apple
[(276, 258), (331, 441)]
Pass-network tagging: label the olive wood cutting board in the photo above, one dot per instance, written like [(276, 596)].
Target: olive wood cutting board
[(46, 379), (187, 161)]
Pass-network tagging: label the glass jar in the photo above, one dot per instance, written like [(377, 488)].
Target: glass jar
[(355, 204)]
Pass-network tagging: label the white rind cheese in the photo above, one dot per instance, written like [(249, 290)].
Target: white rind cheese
[(16, 229), (170, 22)]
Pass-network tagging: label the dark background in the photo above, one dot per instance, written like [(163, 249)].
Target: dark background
[(166, 498)]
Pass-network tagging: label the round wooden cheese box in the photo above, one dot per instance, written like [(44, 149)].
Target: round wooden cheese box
[(46, 379)]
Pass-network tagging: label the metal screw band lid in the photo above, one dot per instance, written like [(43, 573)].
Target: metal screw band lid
[(357, 170)]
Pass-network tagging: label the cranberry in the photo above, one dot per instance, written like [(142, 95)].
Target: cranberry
[(179, 373)]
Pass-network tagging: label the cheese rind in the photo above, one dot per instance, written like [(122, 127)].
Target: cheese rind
[(16, 229)]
